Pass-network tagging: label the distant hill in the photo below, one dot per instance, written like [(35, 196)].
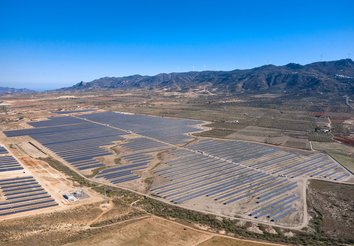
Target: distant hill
[(7, 90), (318, 77)]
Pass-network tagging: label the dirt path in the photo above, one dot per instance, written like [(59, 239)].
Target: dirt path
[(305, 220), (110, 204), (123, 221), (311, 146), (204, 240)]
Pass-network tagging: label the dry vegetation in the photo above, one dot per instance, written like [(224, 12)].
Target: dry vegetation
[(332, 209), (222, 241), (53, 228)]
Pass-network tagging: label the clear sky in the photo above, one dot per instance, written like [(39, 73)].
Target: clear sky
[(56, 43)]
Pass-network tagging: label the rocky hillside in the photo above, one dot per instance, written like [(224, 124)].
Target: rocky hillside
[(318, 77)]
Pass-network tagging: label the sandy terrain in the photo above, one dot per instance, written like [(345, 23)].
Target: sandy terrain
[(32, 150), (149, 231)]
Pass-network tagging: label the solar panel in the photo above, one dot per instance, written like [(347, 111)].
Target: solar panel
[(3, 150), (125, 179)]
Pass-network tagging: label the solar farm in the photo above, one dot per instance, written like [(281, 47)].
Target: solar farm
[(224, 177)]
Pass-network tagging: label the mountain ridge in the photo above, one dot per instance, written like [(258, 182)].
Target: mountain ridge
[(318, 77), (9, 90)]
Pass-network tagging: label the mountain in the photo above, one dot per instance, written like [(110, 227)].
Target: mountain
[(318, 77), (7, 90)]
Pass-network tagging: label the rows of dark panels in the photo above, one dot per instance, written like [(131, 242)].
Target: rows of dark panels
[(164, 129), (63, 120), (23, 194), (56, 126), (273, 160), (79, 144), (3, 150), (277, 209), (192, 175), (144, 144), (137, 157), (124, 173), (317, 165), (235, 151), (8, 163)]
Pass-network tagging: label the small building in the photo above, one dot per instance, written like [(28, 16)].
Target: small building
[(70, 197)]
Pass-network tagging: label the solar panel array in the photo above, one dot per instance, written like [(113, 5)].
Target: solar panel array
[(76, 141), (56, 121), (273, 160), (3, 150), (8, 163), (124, 173), (192, 175), (164, 129), (277, 209), (23, 194), (236, 151), (144, 144), (233, 172)]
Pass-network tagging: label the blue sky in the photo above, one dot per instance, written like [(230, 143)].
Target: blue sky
[(51, 44)]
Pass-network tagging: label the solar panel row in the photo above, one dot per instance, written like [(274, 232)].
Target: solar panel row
[(279, 206), (235, 151), (137, 157), (3, 150), (64, 120), (144, 144), (124, 173), (118, 174), (8, 163)]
